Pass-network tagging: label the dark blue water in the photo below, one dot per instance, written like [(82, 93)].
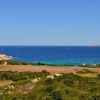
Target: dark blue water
[(73, 55)]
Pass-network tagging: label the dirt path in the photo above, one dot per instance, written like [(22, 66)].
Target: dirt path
[(5, 82), (4, 64), (51, 69)]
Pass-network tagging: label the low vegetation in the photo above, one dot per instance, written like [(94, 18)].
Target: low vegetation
[(34, 63), (17, 76), (91, 65), (46, 64), (87, 73), (65, 87)]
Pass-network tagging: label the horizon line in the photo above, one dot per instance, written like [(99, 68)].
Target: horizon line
[(49, 45)]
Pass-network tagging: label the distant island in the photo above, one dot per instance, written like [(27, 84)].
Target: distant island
[(96, 45)]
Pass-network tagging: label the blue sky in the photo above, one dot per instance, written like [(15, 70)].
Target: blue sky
[(49, 22)]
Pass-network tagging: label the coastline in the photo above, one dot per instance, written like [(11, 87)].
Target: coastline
[(71, 55)]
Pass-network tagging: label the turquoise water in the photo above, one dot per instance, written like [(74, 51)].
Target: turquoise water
[(72, 55)]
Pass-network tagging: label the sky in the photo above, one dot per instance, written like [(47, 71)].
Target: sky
[(49, 22)]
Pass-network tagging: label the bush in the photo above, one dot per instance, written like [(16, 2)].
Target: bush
[(57, 95), (94, 89), (68, 82), (67, 91), (16, 76), (49, 81), (49, 88), (94, 97), (98, 76)]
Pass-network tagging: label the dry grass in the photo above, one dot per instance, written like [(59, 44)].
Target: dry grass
[(51, 69), (5, 82), (90, 75)]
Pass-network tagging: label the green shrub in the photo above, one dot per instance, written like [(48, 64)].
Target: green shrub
[(57, 95), (94, 97), (68, 82), (98, 76), (49, 81), (49, 88), (16, 76)]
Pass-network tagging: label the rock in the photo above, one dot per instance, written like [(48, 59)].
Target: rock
[(50, 76), (36, 80), (57, 74)]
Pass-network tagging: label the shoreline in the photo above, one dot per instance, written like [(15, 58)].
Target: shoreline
[(51, 69), (47, 64)]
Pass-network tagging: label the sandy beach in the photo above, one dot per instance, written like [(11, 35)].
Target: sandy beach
[(51, 69)]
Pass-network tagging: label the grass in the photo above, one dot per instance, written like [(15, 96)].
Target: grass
[(90, 75), (87, 73)]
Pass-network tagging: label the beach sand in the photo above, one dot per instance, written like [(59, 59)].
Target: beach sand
[(51, 69)]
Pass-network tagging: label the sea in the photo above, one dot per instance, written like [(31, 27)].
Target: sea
[(69, 55)]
